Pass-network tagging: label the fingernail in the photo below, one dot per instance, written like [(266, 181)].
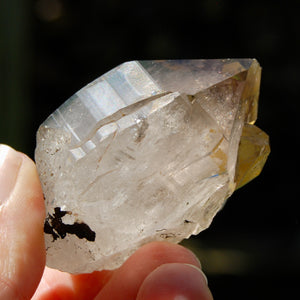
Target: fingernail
[(204, 276), (10, 162)]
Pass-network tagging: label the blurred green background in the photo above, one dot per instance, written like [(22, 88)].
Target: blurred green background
[(51, 48)]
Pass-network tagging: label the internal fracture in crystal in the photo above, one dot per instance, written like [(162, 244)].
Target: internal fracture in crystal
[(149, 151)]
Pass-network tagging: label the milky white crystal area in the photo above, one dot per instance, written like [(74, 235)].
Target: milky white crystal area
[(146, 152)]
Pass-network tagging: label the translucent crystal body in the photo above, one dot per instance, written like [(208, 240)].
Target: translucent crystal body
[(148, 151)]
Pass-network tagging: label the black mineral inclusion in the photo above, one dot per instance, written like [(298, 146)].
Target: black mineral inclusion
[(55, 226)]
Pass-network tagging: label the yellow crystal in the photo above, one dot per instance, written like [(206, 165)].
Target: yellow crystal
[(253, 152), (254, 144)]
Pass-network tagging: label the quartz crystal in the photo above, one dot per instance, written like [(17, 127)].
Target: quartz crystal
[(149, 151)]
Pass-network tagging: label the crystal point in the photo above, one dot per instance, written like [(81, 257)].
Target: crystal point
[(149, 151)]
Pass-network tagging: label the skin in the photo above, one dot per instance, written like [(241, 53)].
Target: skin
[(158, 270)]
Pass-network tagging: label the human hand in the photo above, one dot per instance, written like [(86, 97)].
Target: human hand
[(156, 271)]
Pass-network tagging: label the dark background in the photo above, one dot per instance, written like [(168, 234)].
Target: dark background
[(51, 48)]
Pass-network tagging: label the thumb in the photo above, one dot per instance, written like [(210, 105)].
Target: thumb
[(22, 212)]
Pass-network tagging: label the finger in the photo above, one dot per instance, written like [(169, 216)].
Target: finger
[(126, 281), (175, 281), (22, 213), (65, 286)]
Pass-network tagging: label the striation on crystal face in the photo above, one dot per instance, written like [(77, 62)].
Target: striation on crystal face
[(149, 151)]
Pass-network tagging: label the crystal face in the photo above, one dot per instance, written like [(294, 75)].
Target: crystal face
[(149, 151)]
